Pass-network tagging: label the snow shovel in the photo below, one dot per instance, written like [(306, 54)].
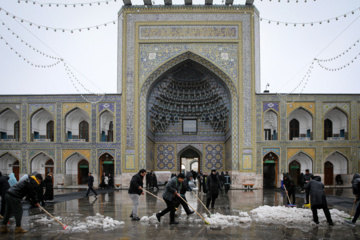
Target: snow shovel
[(64, 226), (206, 222), (288, 205), (352, 213), (202, 203)]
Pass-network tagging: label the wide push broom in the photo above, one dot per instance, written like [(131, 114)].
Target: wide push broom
[(206, 222), (64, 226), (289, 205)]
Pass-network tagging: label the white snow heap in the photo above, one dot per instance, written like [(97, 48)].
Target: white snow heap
[(219, 220), (151, 219), (294, 217)]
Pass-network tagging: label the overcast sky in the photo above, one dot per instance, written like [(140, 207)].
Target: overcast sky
[(286, 51)]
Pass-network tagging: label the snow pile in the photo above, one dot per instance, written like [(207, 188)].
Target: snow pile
[(294, 217), (151, 219), (45, 220), (219, 220)]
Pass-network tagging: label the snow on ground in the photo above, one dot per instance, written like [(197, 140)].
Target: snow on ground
[(223, 221), (294, 217), (91, 222)]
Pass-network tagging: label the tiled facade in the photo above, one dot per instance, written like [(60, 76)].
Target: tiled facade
[(152, 42)]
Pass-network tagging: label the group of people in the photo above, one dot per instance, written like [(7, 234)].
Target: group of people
[(11, 196), (151, 180), (314, 189), (225, 181), (107, 181), (176, 187)]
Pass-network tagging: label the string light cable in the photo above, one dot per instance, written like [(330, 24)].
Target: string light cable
[(49, 4), (27, 60), (73, 30), (311, 23), (26, 43)]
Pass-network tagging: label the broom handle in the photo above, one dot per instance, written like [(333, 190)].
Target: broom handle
[(201, 202), (191, 207), (152, 194), (51, 215), (287, 194)]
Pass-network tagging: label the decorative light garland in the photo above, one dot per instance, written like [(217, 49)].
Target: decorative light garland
[(58, 29), (311, 23), (337, 68), (42, 4), (28, 61), (27, 44), (72, 76), (340, 55)]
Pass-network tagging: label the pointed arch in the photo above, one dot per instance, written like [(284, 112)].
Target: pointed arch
[(190, 148), (304, 159), (72, 173), (9, 125), (163, 69), (72, 123), (7, 159), (271, 125), (305, 120), (37, 162), (339, 124), (106, 126), (39, 125), (340, 162)]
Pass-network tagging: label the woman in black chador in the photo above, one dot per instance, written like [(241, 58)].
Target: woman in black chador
[(213, 185), (49, 188)]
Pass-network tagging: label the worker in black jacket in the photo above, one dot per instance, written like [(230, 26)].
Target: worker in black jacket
[(26, 187), (289, 188), (90, 185), (184, 187), (4, 186), (135, 190)]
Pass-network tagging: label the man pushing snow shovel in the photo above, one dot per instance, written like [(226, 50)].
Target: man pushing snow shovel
[(289, 188), (318, 199)]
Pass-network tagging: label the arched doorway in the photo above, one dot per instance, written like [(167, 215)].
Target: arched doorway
[(49, 168), (83, 171), (329, 173), (189, 156), (294, 171), (327, 129), (16, 169), (294, 129), (106, 162), (270, 170)]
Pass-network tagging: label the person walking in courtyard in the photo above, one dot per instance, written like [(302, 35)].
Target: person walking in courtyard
[(14, 196), (170, 195), (90, 185), (135, 190), (227, 181), (111, 181), (356, 191), (318, 199), (49, 188), (106, 182), (4, 186), (213, 185), (306, 178), (290, 188)]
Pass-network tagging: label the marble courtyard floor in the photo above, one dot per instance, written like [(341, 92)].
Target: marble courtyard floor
[(107, 217)]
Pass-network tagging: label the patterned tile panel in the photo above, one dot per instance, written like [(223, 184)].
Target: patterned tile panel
[(70, 106), (214, 156), (51, 107), (84, 152), (310, 106), (154, 55), (14, 107), (271, 105), (107, 106), (188, 32), (309, 151), (165, 157), (343, 106), (15, 153)]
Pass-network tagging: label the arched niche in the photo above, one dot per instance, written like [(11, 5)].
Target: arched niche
[(9, 125), (304, 131), (335, 124), (270, 125), (72, 169), (305, 161), (75, 122), (42, 126), (106, 126), (37, 163)]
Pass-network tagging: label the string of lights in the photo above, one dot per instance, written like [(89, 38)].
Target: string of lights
[(47, 4), (311, 23), (74, 30), (72, 77), (27, 44), (338, 68), (27, 60), (340, 55)]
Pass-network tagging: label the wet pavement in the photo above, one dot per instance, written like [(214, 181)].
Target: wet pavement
[(73, 209)]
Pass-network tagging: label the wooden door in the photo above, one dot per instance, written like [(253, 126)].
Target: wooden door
[(294, 171), (16, 169), (329, 173)]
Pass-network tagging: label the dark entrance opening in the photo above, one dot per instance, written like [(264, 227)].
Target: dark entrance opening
[(294, 171), (83, 171), (106, 165), (270, 170), (329, 173), (189, 156)]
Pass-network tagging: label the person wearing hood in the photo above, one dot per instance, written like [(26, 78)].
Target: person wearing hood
[(135, 190), (12, 179), (184, 187), (170, 196), (318, 199), (356, 191), (14, 195), (213, 185), (4, 186), (49, 188), (290, 188)]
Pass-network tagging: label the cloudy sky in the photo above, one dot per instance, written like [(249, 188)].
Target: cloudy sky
[(286, 51)]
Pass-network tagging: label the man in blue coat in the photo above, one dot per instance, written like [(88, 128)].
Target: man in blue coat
[(90, 185), (170, 195)]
